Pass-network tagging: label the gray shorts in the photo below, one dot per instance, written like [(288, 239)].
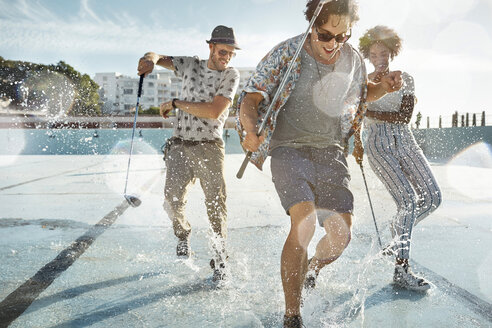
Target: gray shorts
[(318, 175)]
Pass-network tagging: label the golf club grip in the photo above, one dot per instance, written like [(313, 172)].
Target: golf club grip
[(140, 84), (240, 173)]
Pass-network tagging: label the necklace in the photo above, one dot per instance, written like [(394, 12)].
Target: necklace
[(320, 78)]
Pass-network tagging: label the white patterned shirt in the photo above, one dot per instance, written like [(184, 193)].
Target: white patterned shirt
[(201, 84)]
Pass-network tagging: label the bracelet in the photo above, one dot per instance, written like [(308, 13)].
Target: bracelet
[(174, 102)]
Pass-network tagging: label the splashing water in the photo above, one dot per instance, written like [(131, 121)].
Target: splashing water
[(475, 181), (144, 164), (47, 94), (15, 144), (329, 93)]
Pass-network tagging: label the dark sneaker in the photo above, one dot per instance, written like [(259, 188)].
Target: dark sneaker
[(293, 322), (219, 271), (183, 248), (405, 278), (310, 280)]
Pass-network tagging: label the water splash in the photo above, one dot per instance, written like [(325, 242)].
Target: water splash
[(470, 171), (15, 144), (144, 165), (46, 94)]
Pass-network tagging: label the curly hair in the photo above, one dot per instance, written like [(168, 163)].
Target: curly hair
[(335, 7), (381, 34)]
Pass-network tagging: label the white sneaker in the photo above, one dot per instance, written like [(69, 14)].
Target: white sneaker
[(405, 278)]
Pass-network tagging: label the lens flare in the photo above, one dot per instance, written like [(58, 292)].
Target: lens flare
[(470, 172), (436, 11), (483, 272), (13, 143), (145, 164), (330, 92), (47, 94), (393, 13)]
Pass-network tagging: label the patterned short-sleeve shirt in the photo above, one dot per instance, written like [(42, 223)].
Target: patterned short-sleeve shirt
[(201, 84), (266, 79)]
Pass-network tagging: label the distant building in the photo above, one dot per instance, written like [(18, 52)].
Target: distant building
[(118, 92), (245, 73), (108, 90)]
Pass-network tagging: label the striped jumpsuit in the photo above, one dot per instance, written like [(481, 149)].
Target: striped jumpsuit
[(401, 165)]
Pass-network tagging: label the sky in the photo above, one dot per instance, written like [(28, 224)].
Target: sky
[(447, 44)]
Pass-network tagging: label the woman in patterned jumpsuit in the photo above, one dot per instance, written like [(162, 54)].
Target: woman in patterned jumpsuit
[(394, 154)]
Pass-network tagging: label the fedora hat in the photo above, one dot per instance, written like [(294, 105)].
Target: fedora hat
[(223, 35)]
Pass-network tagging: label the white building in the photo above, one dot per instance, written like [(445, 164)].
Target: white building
[(245, 73), (119, 92), (108, 90)]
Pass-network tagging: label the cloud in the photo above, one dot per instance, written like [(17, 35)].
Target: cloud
[(446, 82), (450, 59), (460, 37), (36, 29), (20, 9), (86, 11), (436, 11)]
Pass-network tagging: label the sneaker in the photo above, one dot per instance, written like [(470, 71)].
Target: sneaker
[(293, 322), (310, 280), (219, 271), (405, 278), (183, 248)]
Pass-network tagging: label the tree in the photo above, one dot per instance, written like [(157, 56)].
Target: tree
[(232, 111), (86, 100), (152, 111), (54, 89)]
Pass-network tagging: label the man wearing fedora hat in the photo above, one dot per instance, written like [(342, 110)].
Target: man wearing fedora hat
[(196, 149)]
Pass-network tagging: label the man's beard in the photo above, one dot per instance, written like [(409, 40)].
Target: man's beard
[(217, 63)]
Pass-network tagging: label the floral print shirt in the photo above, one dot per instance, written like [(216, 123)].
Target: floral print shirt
[(266, 79)]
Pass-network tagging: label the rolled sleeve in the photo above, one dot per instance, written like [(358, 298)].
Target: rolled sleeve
[(181, 64)]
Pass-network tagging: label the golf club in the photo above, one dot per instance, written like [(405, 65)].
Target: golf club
[(370, 204), (134, 201), (281, 86)]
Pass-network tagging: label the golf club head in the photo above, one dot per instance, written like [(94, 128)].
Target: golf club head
[(134, 201)]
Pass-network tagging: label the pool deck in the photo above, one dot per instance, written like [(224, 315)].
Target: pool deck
[(74, 254)]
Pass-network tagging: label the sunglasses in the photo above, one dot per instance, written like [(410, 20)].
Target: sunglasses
[(224, 53), (327, 37)]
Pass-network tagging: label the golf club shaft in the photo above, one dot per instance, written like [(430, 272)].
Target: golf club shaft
[(370, 204), (281, 86), (140, 83)]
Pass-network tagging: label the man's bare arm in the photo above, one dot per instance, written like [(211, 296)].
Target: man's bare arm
[(147, 63), (248, 116), (212, 109)]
